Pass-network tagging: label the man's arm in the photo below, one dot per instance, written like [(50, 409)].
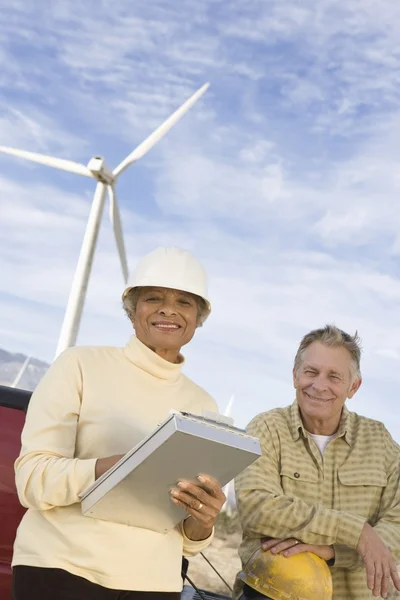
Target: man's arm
[(387, 524), (388, 521), (265, 511)]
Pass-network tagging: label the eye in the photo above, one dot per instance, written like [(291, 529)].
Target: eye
[(185, 302), (152, 299), (308, 372)]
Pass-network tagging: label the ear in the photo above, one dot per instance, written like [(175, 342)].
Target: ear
[(354, 387), (294, 372)]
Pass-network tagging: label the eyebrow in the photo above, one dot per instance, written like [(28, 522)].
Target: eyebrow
[(151, 291), (160, 290), (331, 371)]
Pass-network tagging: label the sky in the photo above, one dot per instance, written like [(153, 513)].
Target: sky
[(283, 179)]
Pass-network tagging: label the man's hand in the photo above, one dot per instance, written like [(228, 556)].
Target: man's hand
[(378, 562), (291, 546)]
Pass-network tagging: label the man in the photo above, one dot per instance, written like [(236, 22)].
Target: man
[(328, 481)]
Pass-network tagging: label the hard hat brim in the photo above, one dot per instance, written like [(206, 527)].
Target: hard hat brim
[(130, 288)]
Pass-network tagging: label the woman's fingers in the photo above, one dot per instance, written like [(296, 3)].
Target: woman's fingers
[(212, 486), (203, 500), (207, 492), (190, 501), (199, 511)]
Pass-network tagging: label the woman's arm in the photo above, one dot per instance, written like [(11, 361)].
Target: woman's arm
[(47, 473)]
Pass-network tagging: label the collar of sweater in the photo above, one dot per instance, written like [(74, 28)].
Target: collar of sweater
[(149, 361)]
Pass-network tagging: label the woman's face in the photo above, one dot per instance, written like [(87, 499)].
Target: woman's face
[(165, 320)]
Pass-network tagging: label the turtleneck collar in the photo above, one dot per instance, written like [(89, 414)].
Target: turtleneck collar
[(149, 361)]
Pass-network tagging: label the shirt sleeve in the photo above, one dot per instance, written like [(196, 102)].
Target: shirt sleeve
[(46, 472), (388, 521), (192, 547), (265, 511), (387, 525), (346, 558)]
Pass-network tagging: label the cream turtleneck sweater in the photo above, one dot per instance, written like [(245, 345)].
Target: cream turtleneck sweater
[(95, 402)]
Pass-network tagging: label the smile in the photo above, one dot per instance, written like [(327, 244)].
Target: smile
[(318, 399), (166, 326)]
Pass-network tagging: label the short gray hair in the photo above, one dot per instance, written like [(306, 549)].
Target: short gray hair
[(130, 301), (335, 338)]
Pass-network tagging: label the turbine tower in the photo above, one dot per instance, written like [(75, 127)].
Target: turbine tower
[(228, 488), (106, 181), (21, 372)]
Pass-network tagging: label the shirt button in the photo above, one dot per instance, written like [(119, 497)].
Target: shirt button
[(297, 475)]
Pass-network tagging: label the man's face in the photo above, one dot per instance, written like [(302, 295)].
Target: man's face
[(323, 382), (165, 319)]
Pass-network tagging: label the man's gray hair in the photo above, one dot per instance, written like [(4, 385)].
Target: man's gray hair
[(334, 337), (130, 301)]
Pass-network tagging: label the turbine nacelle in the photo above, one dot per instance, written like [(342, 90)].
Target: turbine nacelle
[(100, 171)]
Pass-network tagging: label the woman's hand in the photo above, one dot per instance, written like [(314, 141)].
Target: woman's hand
[(103, 464), (202, 501)]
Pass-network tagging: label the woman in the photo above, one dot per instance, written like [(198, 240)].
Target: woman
[(92, 406)]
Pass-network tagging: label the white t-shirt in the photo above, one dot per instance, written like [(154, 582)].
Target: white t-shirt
[(321, 440)]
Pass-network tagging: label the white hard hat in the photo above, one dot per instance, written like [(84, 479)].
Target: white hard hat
[(172, 268)]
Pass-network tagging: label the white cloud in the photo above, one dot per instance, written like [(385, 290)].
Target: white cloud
[(283, 179), (263, 302), (257, 152), (340, 228), (30, 129)]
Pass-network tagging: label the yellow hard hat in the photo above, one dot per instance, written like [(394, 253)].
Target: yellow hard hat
[(304, 576)]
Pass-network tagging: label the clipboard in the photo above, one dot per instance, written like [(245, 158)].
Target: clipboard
[(136, 490)]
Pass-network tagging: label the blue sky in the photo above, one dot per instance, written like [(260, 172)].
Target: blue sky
[(283, 179)]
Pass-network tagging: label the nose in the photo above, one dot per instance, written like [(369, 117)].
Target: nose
[(168, 308), (320, 384)]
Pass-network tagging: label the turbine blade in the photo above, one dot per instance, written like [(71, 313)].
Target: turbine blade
[(159, 133), (228, 409), (49, 161), (115, 218)]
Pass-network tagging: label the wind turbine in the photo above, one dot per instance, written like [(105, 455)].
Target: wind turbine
[(106, 180), (21, 372), (229, 486)]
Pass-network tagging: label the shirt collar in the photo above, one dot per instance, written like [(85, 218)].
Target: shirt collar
[(149, 361), (346, 425)]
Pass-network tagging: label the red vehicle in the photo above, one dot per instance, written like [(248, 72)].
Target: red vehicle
[(13, 405)]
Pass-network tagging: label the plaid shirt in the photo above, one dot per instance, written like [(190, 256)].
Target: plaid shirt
[(292, 491)]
